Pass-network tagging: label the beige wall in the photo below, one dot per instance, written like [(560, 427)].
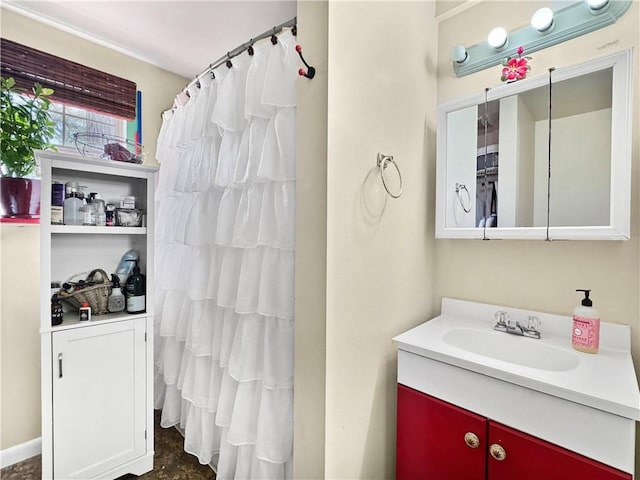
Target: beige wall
[(19, 270), (311, 247), (381, 83), (535, 274), (20, 340)]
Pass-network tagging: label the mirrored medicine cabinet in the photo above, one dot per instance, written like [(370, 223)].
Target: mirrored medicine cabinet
[(548, 157)]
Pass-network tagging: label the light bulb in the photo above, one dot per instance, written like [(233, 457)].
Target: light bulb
[(497, 38), (542, 20), (597, 5), (459, 54)]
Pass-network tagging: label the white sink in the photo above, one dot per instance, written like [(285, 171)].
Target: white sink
[(540, 386), (526, 352)]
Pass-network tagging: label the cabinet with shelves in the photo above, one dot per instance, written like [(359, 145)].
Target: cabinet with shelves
[(436, 439), (97, 376)]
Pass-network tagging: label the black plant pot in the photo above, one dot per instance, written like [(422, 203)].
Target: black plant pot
[(20, 197)]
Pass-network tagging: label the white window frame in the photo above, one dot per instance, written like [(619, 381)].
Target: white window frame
[(69, 146)]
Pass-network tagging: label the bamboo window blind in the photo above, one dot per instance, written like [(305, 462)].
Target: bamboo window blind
[(73, 83)]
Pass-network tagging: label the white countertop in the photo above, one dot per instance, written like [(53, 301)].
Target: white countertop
[(606, 380)]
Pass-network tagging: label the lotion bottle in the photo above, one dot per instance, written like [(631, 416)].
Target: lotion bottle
[(585, 335), (136, 289)]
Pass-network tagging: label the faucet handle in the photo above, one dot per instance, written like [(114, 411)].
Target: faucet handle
[(533, 323), (533, 327), (501, 321), (501, 316)]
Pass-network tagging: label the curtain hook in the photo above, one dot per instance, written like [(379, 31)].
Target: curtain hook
[(274, 39), (294, 30), (229, 64), (250, 49)]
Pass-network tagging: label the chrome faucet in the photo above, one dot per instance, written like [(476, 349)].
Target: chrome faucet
[(505, 324)]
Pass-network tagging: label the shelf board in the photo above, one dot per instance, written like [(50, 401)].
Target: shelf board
[(88, 229), (20, 221), (72, 320)]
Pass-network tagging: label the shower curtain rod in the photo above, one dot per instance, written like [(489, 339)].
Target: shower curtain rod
[(241, 48)]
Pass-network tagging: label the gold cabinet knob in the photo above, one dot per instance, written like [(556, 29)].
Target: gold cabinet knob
[(472, 440), (497, 452)]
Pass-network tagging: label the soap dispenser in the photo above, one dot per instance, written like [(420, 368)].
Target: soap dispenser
[(116, 299), (136, 286), (585, 335)]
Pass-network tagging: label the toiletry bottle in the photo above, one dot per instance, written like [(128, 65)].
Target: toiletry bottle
[(110, 215), (125, 266), (57, 203), (136, 286), (72, 215), (101, 214), (116, 299), (89, 214), (85, 312), (585, 335), (56, 311)]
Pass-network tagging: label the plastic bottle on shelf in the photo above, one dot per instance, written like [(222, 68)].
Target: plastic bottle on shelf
[(101, 214), (85, 312), (89, 214), (72, 210), (57, 203), (125, 267), (116, 299), (136, 291), (56, 311)]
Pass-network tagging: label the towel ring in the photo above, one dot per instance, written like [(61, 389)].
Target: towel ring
[(383, 162), (459, 188)]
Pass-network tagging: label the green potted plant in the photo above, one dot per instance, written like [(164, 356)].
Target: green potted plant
[(25, 126)]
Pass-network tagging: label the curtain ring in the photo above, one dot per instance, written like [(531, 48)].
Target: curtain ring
[(459, 188), (383, 161)]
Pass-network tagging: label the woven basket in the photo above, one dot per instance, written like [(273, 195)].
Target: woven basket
[(96, 295)]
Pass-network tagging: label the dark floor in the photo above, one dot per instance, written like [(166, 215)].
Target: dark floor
[(170, 461)]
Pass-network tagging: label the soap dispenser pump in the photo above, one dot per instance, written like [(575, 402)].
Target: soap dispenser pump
[(585, 335), (136, 289)]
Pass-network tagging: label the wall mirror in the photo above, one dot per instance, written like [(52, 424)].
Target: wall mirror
[(496, 149)]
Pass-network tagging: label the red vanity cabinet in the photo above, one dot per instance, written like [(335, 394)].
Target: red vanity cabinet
[(431, 439), (529, 458), (437, 440)]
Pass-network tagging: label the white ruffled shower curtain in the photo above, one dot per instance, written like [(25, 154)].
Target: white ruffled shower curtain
[(224, 300)]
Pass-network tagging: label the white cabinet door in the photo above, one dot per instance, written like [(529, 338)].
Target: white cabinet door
[(98, 398)]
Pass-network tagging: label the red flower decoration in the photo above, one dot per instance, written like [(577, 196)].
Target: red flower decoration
[(515, 68)]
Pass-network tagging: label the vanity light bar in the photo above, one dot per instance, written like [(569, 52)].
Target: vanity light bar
[(569, 22)]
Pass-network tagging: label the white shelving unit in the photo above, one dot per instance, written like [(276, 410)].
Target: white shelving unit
[(97, 376)]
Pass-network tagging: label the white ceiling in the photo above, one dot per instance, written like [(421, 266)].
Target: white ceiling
[(183, 37)]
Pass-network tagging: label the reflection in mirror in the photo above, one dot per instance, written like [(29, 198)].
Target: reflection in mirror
[(487, 165), (504, 181), (581, 166), (524, 147), (461, 143), (497, 185)]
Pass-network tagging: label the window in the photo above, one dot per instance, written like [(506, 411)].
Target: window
[(70, 120), (84, 100)]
